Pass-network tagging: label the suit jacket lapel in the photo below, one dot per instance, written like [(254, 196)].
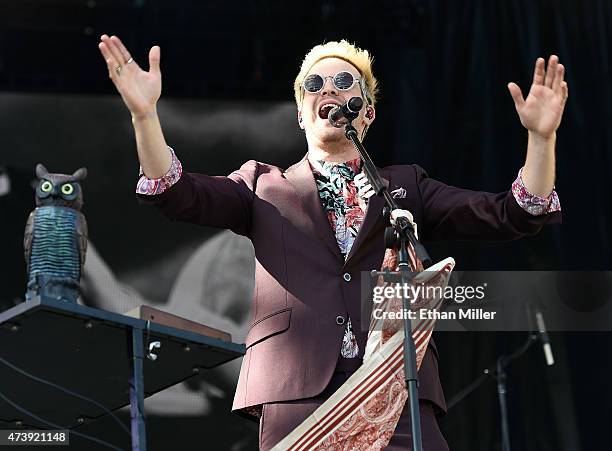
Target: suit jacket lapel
[(301, 178), (373, 214)]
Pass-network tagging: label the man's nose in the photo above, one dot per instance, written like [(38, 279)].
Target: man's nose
[(329, 87)]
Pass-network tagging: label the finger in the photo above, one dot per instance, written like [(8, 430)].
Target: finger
[(564, 91), (124, 52), (368, 194), (365, 189), (538, 72), (107, 54), (558, 78), (104, 40), (551, 70), (112, 46), (360, 180), (111, 62), (154, 57), (111, 65), (516, 94)]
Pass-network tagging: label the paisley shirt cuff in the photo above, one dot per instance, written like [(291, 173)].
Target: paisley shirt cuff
[(531, 203), (151, 187)]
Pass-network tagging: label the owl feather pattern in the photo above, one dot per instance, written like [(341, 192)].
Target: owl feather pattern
[(55, 239)]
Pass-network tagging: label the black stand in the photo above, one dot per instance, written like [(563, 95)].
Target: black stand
[(136, 382), (500, 375), (502, 364), (84, 349), (400, 235)]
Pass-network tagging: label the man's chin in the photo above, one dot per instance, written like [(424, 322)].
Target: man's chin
[(329, 133)]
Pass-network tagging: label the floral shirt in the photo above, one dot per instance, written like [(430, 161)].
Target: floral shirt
[(344, 208), (151, 187)]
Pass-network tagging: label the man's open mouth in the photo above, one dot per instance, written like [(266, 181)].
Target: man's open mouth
[(325, 110)]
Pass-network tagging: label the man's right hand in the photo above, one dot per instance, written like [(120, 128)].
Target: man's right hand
[(140, 90)]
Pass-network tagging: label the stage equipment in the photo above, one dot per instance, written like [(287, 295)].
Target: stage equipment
[(50, 345), (499, 374)]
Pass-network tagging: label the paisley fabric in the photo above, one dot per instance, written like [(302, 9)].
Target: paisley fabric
[(531, 203), (151, 187)]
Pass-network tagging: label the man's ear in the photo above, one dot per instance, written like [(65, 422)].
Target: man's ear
[(300, 120), (369, 115)]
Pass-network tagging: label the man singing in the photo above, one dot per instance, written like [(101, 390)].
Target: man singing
[(314, 229)]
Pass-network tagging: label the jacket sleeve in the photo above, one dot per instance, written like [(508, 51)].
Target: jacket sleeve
[(218, 201), (451, 213)]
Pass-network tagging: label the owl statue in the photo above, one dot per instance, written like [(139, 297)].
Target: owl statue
[(55, 239)]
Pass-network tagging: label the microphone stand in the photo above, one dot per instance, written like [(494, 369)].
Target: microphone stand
[(400, 234), (498, 374)]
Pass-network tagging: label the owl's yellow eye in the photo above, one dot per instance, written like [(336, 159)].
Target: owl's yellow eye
[(67, 189), (46, 187)]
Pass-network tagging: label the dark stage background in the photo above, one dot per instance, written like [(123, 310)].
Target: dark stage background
[(228, 69)]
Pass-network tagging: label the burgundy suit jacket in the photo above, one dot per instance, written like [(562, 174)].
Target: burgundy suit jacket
[(294, 342)]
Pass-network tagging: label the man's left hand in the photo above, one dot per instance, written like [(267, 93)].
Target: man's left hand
[(541, 112)]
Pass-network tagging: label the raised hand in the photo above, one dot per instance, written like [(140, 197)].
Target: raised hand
[(541, 112), (139, 89)]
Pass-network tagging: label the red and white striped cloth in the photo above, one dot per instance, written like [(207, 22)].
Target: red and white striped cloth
[(363, 413)]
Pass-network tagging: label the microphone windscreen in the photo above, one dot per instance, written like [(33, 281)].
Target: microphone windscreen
[(355, 104), (335, 116)]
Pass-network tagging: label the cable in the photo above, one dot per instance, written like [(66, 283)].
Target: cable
[(57, 426), (65, 390)]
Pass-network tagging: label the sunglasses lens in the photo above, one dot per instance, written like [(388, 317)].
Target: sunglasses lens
[(313, 83), (344, 80)]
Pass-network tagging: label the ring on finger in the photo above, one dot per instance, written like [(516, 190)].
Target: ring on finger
[(130, 61), (118, 69)]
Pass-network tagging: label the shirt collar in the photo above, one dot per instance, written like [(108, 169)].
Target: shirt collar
[(327, 169)]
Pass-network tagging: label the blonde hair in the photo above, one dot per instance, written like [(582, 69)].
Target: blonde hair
[(344, 50)]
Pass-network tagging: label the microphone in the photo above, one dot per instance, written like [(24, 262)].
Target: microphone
[(544, 337), (344, 114)]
